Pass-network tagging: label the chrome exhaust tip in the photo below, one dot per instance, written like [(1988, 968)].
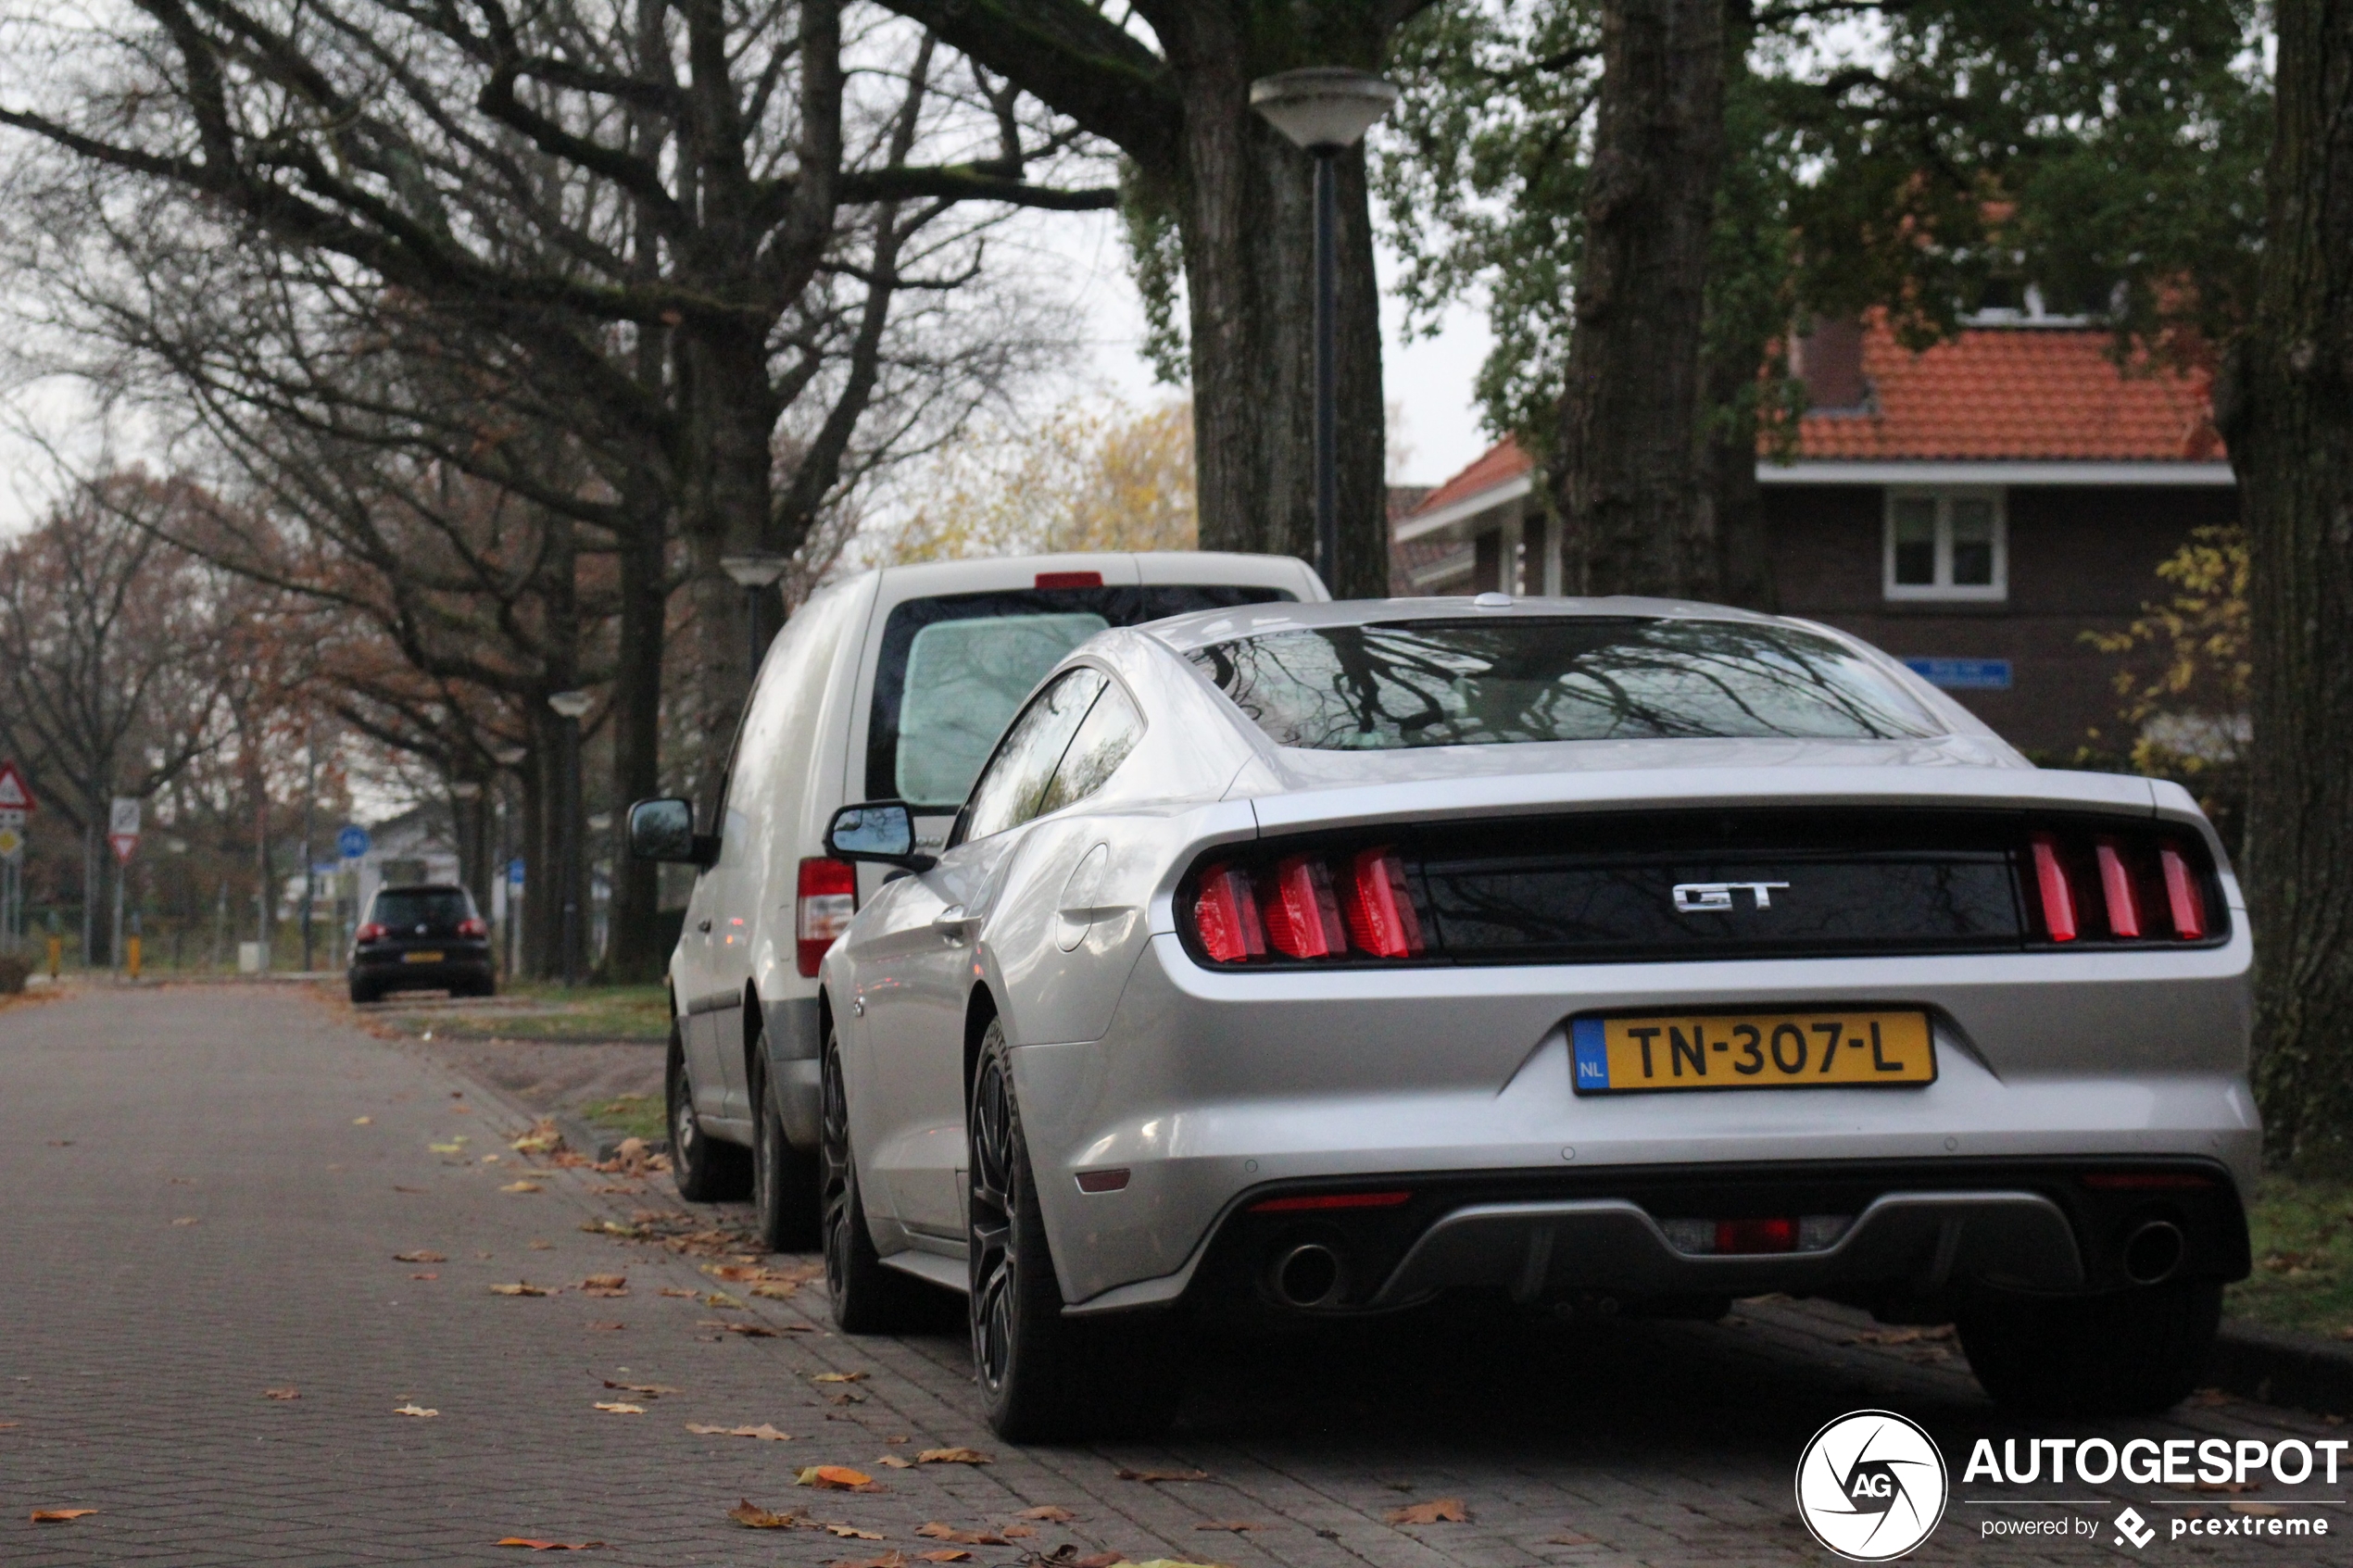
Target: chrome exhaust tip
[(1307, 1275), (2153, 1252)]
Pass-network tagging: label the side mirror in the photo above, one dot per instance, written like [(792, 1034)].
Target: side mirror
[(664, 829), (879, 830)]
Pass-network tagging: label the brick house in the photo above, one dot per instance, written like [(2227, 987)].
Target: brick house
[(1973, 509)]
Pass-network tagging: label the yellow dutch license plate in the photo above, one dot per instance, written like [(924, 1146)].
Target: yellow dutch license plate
[(421, 958), (1759, 1051)]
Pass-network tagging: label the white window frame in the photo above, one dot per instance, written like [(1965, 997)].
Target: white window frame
[(1944, 588)]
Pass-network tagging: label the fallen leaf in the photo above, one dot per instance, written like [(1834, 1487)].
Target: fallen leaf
[(1237, 1525), (952, 1456), (1444, 1511), (945, 1554), (652, 1390), (414, 1410), (60, 1515), (521, 1287), (888, 1559), (618, 1408), (1101, 1559), (544, 1545), (774, 1292), (1050, 1514), (608, 1327), (673, 1291), (765, 1431), (543, 1138), (185, 1219), (751, 1516), (427, 1275), (458, 1146), (280, 1394), (892, 1461), (362, 1121), (1158, 1475), (749, 1330), (939, 1532), (852, 1532), (605, 1281), (718, 1301), (837, 1478), (521, 1187), (1017, 1532), (840, 1377)]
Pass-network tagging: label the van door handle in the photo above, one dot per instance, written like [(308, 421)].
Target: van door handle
[(703, 925)]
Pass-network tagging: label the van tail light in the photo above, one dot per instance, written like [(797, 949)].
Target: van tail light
[(2115, 887), (2050, 881), (371, 932), (828, 899), (1226, 916), (473, 926), (1070, 580), (1313, 906), (2183, 895)]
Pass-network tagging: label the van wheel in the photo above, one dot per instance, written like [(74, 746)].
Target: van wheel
[(2132, 1352), (784, 1180), (705, 1169), (1045, 1377), (868, 1297)]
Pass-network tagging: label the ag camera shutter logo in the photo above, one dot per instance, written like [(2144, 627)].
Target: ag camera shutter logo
[(1872, 1485)]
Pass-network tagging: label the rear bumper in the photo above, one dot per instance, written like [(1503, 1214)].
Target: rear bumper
[(391, 970), (1905, 1234)]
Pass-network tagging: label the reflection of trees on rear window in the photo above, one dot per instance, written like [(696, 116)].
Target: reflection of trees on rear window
[(1454, 683), (398, 909)]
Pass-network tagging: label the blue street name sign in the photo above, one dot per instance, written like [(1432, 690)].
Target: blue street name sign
[(1963, 674), (514, 872), (352, 842)]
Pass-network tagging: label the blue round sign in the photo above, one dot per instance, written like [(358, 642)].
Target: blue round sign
[(352, 841)]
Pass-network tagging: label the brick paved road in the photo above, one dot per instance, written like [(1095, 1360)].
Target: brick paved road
[(195, 1215)]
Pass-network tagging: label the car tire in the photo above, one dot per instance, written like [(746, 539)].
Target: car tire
[(784, 1180), (2132, 1352), (1045, 1377), (363, 993), (705, 1169), (867, 1297)]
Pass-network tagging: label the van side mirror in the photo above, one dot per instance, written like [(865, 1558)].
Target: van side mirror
[(664, 829), (878, 830)]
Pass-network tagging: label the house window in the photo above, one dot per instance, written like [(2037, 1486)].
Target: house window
[(1946, 544)]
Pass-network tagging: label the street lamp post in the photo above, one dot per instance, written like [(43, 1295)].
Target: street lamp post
[(755, 573), (1325, 110), (570, 707), (474, 844), (510, 931)]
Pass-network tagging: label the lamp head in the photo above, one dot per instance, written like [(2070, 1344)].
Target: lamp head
[(1323, 108), (754, 570), (571, 704)]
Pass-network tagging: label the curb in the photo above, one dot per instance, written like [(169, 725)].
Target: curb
[(2275, 1367)]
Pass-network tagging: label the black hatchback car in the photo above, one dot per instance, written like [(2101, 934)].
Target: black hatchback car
[(424, 939)]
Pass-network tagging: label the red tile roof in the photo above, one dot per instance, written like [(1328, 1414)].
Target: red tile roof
[(2024, 393), (2036, 394)]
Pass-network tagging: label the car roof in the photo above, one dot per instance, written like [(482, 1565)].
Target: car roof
[(1118, 569), (1206, 628), (420, 887)]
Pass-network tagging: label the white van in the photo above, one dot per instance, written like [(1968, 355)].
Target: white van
[(893, 685)]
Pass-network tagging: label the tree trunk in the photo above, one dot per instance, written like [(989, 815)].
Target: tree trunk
[(1248, 220), (1732, 510), (1628, 480), (635, 952), (2287, 410)]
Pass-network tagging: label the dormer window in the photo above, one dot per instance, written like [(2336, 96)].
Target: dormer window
[(1946, 544)]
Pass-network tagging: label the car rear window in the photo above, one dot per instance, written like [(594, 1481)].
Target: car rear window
[(442, 907), (1501, 681), (955, 668)]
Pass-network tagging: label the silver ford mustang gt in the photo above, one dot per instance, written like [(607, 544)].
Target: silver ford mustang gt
[(1610, 955)]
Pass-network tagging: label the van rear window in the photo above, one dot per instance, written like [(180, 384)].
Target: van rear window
[(955, 668)]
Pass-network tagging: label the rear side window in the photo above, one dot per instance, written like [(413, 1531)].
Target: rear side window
[(1112, 729), (953, 669), (1522, 678), (411, 907), (1015, 787)]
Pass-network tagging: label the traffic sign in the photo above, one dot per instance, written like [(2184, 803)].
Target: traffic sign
[(11, 843), (15, 793), (352, 842), (122, 827), (514, 872)]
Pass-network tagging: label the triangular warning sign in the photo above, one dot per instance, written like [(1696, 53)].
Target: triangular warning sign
[(14, 794)]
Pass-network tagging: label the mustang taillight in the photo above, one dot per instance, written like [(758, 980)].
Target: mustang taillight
[(1319, 905), (828, 899), (2123, 887)]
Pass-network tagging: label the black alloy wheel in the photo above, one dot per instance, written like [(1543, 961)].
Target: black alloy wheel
[(867, 1297), (704, 1170), (1045, 1377)]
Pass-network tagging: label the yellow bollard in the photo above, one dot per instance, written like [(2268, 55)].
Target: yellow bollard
[(57, 955), (131, 955)]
